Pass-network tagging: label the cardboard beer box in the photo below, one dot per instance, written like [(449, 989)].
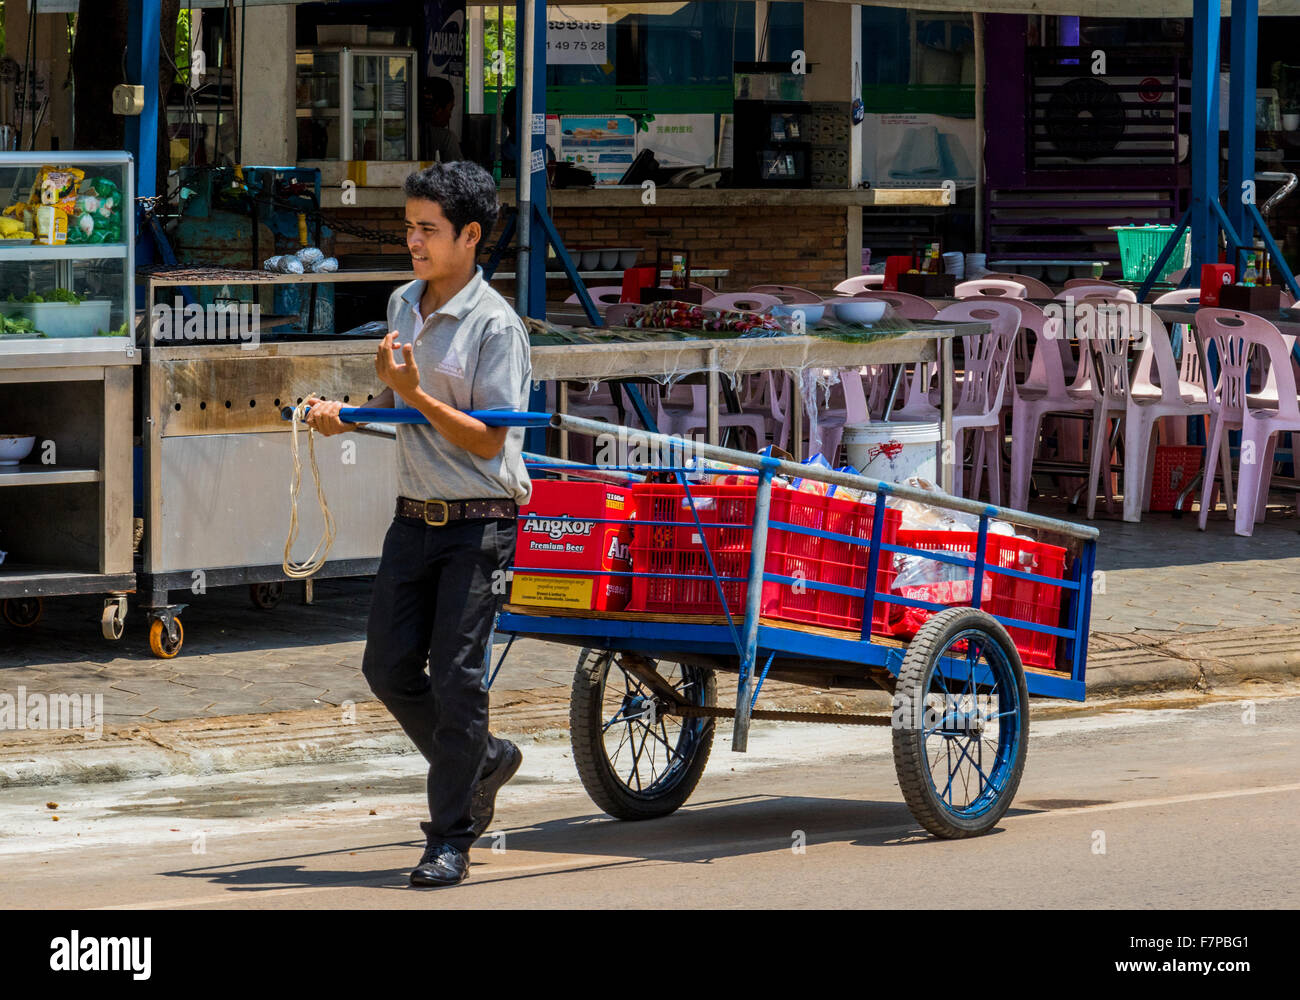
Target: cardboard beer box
[(563, 526)]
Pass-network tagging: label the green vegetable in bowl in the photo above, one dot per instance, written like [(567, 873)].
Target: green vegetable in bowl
[(32, 297), (64, 295)]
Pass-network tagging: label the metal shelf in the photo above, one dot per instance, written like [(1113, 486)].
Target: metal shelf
[(221, 276), (74, 251), (30, 474), (33, 580)]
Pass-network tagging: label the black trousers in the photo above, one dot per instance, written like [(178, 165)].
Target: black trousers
[(436, 595)]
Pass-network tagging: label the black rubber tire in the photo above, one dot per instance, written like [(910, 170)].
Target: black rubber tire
[(586, 719), (266, 595), (909, 752), (23, 612)]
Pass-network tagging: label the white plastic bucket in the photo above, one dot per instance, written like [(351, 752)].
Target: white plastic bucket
[(893, 452)]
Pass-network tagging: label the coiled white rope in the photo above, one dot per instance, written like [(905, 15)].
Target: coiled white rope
[(293, 570)]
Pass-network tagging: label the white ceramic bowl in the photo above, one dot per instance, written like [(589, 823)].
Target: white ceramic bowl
[(589, 260), (608, 260), (627, 257), (859, 310), (15, 447)]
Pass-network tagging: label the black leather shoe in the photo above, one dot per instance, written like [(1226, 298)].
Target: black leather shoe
[(441, 865), (485, 792)]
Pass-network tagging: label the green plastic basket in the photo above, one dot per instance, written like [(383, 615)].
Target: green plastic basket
[(1139, 246)]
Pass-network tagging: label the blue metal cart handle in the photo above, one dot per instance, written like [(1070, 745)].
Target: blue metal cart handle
[(384, 415)]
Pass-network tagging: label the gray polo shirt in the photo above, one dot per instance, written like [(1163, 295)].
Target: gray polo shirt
[(472, 355)]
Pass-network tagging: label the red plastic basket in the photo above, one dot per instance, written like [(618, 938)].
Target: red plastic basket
[(677, 548), (1026, 600), (1175, 467)]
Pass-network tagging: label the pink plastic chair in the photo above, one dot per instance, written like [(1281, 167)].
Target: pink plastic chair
[(1099, 289), (603, 295), (860, 283), (983, 387), (697, 419), (788, 294), (847, 407), (746, 301), (1034, 289), (1180, 297), (1127, 392), (617, 314), (906, 305), (1153, 400), (978, 406), (590, 403), (1237, 336), (990, 288), (778, 402), (1045, 390)]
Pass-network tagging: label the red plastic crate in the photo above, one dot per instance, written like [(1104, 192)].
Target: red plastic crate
[(1175, 466), (678, 548), (1008, 597)]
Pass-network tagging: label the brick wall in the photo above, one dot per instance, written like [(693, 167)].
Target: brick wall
[(386, 220), (794, 245), (791, 245)]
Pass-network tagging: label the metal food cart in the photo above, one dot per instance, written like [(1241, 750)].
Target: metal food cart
[(216, 454)]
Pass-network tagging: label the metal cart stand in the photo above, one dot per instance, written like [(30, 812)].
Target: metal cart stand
[(216, 454), (67, 524)]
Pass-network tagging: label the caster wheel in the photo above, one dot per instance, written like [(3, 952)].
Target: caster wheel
[(23, 612), (160, 644), (266, 595), (111, 622)]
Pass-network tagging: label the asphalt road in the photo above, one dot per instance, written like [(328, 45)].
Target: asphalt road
[(1145, 806)]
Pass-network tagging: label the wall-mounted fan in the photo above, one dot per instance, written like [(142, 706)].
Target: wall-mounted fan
[(1085, 118)]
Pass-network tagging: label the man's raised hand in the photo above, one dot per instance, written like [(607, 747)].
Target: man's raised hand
[(403, 377)]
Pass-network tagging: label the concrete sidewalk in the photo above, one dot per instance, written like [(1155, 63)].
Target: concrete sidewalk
[(1177, 609)]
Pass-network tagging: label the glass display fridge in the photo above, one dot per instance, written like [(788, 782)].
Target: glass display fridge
[(355, 103)]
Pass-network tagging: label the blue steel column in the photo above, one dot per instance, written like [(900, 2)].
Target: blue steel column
[(142, 48), (753, 608), (1243, 50), (535, 306), (1205, 132)]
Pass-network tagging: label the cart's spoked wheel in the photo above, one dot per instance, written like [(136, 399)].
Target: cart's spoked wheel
[(163, 645), (23, 612), (961, 729), (266, 595), (636, 757)]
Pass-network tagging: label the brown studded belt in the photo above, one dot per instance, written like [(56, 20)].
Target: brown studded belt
[(436, 513)]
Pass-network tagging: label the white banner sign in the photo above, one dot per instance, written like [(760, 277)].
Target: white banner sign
[(577, 41)]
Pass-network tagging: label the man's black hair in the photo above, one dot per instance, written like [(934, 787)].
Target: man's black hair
[(440, 91), (464, 190)]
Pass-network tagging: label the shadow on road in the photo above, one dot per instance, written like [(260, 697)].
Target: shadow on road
[(704, 832)]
